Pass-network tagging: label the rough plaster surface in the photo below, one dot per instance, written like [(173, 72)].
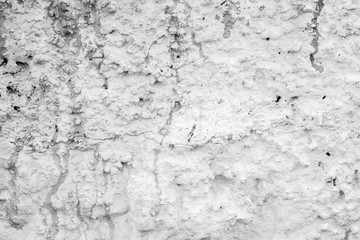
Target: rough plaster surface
[(159, 119)]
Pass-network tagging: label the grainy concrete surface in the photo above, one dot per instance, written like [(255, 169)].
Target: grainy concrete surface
[(179, 120)]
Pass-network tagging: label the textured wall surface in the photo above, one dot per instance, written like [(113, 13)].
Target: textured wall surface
[(179, 120)]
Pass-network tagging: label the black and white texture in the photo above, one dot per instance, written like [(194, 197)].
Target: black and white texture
[(179, 120)]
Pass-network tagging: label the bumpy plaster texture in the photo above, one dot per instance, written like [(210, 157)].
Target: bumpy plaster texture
[(184, 119)]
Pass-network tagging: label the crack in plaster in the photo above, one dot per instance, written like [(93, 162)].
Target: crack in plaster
[(315, 40)]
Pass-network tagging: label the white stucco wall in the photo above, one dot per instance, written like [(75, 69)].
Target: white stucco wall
[(159, 119)]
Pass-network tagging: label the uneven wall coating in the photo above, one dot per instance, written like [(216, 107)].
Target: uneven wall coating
[(184, 119)]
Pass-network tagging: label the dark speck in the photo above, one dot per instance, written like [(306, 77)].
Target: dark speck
[(4, 62), (328, 154), (341, 194), (267, 39), (11, 89), (177, 105)]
